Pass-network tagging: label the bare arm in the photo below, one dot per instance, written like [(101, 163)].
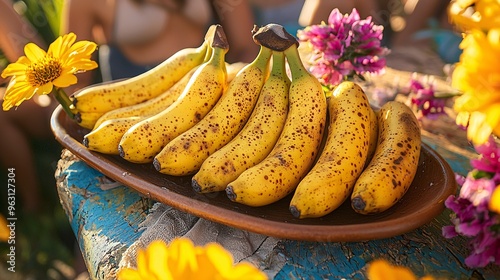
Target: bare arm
[(237, 19), (15, 33)]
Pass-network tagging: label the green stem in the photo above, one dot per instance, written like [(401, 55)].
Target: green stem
[(65, 102)]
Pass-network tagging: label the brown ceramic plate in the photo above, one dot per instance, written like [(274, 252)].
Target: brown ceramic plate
[(424, 200)]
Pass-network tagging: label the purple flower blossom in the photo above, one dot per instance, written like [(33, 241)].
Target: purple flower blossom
[(345, 47), (477, 191), (472, 217), (422, 95), (489, 159), (477, 223)]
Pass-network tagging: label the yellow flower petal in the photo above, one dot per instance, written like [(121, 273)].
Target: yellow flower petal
[(16, 93), (462, 119), (494, 203), (33, 52), (128, 274), (383, 270), (44, 89), (182, 258), (61, 45), (157, 260), (478, 131), (221, 258), (65, 80), (14, 69), (247, 271)]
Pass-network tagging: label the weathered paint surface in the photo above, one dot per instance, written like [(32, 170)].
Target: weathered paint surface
[(104, 221)]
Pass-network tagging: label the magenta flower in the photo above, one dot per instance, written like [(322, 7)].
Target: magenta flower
[(345, 47), (472, 217), (489, 159), (423, 96), (480, 225)]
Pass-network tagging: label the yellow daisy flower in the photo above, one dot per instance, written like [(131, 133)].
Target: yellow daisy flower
[(381, 269), (39, 71), (181, 259)]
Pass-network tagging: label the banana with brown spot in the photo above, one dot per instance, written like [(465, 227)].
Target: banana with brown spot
[(107, 136), (151, 106), (372, 146), (102, 98), (394, 165), (296, 149), (330, 181), (186, 153), (256, 139), (144, 140)]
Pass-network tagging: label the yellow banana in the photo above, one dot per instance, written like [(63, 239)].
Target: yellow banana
[(298, 145), (257, 137), (87, 119), (103, 98), (107, 136), (109, 129), (149, 107), (185, 154), (330, 181), (394, 165), (233, 69), (146, 138), (372, 144)]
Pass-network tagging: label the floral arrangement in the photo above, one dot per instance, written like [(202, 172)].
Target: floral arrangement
[(344, 48), (476, 209), (41, 72)]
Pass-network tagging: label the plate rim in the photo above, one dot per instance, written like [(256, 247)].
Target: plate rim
[(292, 231)]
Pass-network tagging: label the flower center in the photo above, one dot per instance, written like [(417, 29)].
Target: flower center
[(44, 71)]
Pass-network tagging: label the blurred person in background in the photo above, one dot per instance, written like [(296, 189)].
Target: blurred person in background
[(136, 35), (21, 125), (316, 11)]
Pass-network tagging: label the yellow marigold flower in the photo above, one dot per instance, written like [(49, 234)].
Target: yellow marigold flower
[(494, 204), (4, 230), (182, 260), (383, 270), (39, 71), (475, 14), (477, 76)]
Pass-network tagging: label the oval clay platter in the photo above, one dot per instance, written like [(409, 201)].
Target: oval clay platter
[(433, 183)]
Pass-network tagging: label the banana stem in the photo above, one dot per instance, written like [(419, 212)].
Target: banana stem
[(263, 57), (279, 68), (296, 66), (65, 102)]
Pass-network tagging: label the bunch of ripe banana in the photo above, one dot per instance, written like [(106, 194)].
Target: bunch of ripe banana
[(260, 135)]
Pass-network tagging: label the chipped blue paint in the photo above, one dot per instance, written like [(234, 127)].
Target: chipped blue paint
[(97, 215), (102, 234)]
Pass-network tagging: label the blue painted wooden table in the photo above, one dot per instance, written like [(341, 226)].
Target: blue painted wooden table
[(107, 222)]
